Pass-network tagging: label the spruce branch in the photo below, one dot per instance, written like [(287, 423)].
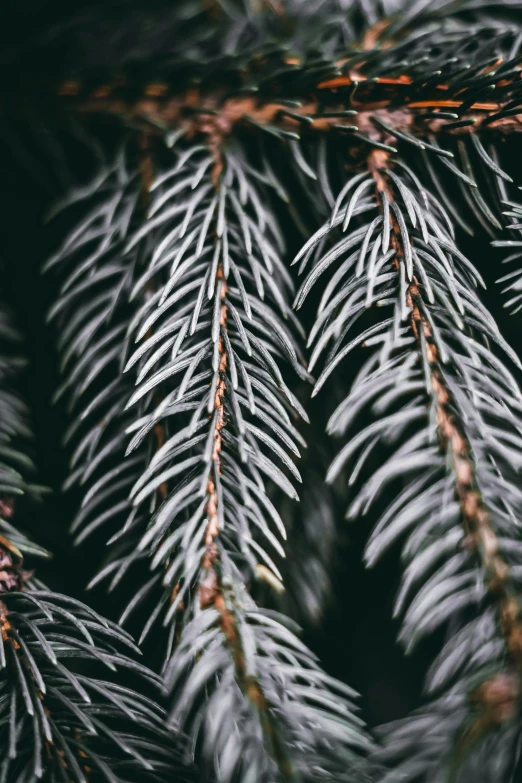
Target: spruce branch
[(434, 390), (231, 252), (58, 719), (348, 103), (213, 433), (422, 92), (453, 441), (420, 81)]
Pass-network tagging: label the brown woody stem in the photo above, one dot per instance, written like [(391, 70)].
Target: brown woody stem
[(215, 114), (476, 521), (211, 591)]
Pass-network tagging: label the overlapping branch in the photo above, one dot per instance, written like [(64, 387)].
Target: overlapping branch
[(213, 433), (61, 720), (440, 438), (415, 85)]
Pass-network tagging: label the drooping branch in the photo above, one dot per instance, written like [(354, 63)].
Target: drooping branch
[(58, 719), (210, 430), (481, 535), (438, 438), (211, 592)]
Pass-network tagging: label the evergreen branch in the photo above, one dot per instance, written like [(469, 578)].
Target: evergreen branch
[(369, 97), (436, 389), (98, 466), (203, 277), (418, 82), (377, 97), (217, 308), (62, 724), (213, 418), (57, 720), (201, 288)]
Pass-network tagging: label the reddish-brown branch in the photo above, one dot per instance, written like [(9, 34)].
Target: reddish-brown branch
[(211, 509), (12, 575), (215, 115), (499, 694), (211, 592)]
